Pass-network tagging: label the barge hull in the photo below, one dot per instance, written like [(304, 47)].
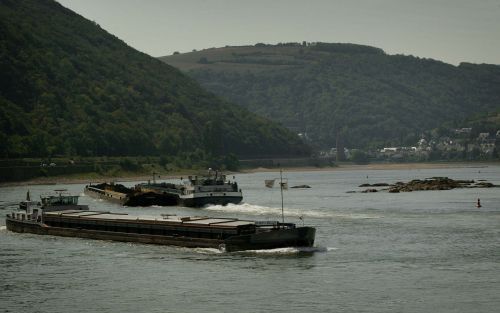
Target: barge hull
[(23, 227), (296, 237), (120, 200), (133, 199)]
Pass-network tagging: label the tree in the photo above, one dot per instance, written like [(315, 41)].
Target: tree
[(359, 157)]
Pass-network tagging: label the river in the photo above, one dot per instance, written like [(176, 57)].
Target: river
[(427, 251)]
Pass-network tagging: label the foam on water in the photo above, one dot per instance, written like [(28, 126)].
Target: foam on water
[(355, 216), (286, 250), (208, 250), (277, 251), (3, 227), (290, 250), (252, 209)]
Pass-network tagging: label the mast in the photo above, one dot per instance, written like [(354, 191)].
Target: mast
[(281, 188)]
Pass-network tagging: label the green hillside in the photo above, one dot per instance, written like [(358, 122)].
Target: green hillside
[(368, 97), (67, 87)]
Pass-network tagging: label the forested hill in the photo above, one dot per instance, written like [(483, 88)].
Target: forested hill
[(370, 98), (67, 87)]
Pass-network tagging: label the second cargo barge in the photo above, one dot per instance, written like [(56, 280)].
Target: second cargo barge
[(118, 193), (197, 191)]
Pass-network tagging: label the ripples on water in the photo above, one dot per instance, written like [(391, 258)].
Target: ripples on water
[(409, 252)]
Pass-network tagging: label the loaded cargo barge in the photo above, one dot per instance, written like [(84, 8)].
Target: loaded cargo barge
[(197, 191), (61, 215), (120, 194)]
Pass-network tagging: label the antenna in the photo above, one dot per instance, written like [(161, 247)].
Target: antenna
[(281, 188)]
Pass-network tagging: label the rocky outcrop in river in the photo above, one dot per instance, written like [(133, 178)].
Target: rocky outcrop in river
[(433, 183)]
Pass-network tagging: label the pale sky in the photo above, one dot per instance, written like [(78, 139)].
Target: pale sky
[(452, 31)]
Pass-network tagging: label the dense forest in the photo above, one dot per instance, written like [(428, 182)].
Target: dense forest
[(367, 97), (67, 87)]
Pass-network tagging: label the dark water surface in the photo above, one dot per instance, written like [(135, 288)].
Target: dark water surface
[(430, 251)]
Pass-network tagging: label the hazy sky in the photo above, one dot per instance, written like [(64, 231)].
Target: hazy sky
[(453, 31)]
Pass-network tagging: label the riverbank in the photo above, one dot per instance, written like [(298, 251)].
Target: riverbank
[(129, 177), (93, 178), (379, 166)]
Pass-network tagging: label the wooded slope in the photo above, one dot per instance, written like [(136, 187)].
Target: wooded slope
[(67, 87), (370, 98)]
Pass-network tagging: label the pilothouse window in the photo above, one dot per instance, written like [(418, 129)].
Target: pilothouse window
[(64, 200)]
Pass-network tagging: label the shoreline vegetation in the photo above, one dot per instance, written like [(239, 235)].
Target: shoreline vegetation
[(134, 176)]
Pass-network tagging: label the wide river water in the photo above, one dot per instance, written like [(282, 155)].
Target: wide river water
[(427, 251)]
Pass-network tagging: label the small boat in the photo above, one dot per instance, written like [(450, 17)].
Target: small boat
[(61, 215)]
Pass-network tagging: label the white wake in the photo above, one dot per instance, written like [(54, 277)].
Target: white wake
[(252, 209), (290, 250)]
